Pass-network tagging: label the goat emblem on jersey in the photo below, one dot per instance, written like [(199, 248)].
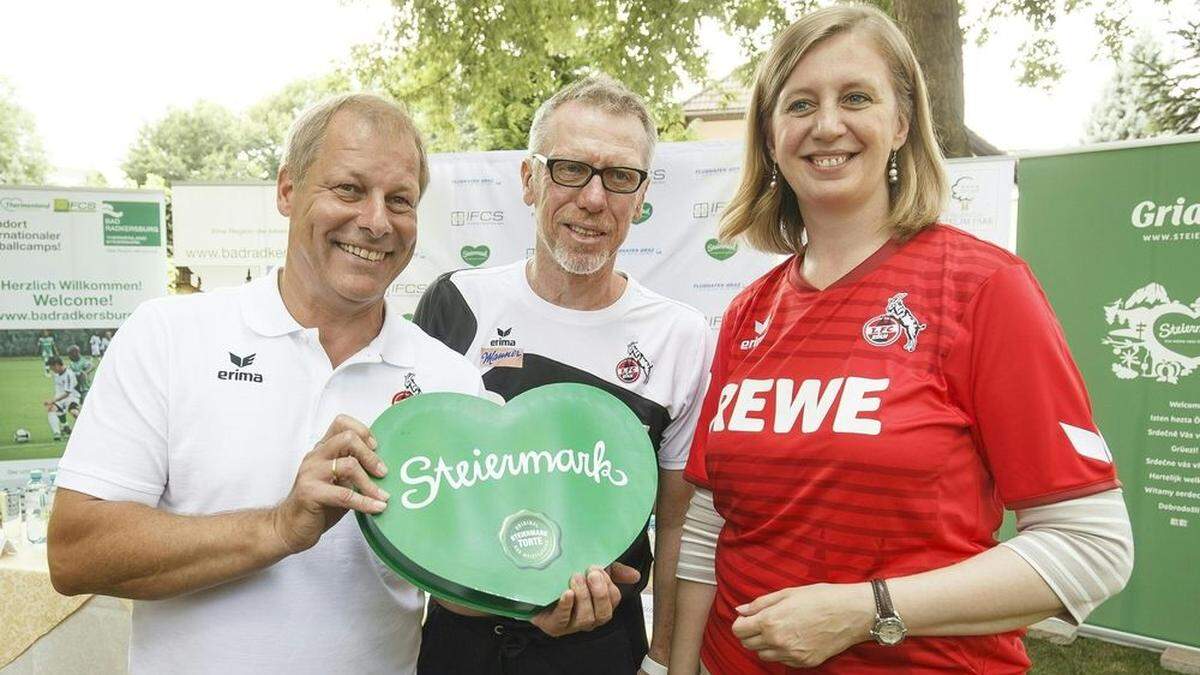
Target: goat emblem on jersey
[(897, 320)]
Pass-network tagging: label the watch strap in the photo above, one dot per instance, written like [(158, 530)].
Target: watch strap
[(883, 599)]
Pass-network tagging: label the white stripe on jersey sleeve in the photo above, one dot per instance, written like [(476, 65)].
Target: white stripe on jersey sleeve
[(1087, 443)]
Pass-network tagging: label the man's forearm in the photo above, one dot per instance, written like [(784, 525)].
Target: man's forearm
[(672, 504), (130, 550), (666, 558)]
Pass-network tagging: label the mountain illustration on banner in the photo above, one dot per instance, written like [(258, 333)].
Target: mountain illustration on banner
[(1153, 336)]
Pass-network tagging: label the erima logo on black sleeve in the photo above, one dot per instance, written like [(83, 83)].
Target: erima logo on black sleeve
[(240, 375)]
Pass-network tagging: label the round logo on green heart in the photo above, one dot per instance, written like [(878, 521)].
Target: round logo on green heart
[(530, 539), (475, 255), (495, 506), (647, 211), (1179, 333), (718, 250)]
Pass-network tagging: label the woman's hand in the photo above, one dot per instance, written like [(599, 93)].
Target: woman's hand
[(804, 626)]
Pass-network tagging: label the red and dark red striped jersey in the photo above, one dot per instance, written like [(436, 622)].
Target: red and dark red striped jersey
[(878, 428)]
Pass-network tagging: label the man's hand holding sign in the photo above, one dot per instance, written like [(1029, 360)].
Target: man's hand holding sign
[(332, 479)]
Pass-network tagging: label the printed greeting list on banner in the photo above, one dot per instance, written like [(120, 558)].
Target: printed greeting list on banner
[(1113, 237), (75, 259)]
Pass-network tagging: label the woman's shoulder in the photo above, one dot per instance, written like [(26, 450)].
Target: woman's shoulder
[(961, 250)]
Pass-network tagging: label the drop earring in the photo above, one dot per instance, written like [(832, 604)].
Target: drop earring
[(893, 172), (774, 176)]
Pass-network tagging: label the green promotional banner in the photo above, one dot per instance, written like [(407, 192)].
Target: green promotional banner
[(495, 507), (1113, 235)]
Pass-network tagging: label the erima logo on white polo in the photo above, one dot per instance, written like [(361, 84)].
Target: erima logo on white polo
[(240, 375), (1087, 443), (760, 332)]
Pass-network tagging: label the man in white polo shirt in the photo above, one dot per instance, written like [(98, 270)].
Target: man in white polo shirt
[(224, 436)]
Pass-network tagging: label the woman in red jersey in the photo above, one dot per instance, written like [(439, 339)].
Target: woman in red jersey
[(879, 399)]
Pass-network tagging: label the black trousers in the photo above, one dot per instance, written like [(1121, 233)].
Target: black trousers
[(452, 644)]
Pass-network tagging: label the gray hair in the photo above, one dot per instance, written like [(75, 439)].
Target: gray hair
[(597, 91), (308, 131)]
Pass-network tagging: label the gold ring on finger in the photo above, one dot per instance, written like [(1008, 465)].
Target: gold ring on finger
[(333, 469)]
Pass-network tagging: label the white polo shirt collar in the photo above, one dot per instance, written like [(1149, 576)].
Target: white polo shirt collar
[(264, 313)]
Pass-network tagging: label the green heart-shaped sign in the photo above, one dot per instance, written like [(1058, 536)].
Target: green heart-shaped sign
[(718, 250), (475, 255), (647, 211), (1179, 333), (495, 507)]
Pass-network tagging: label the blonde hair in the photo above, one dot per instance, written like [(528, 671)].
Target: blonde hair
[(770, 218), (308, 131)]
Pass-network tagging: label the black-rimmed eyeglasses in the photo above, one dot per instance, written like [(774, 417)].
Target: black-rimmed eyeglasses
[(572, 173)]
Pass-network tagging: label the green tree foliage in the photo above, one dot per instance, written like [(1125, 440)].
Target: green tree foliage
[(1038, 61), (266, 123), (1121, 114), (204, 142), (209, 142), (1172, 86), (1150, 93), (22, 159), (474, 71)]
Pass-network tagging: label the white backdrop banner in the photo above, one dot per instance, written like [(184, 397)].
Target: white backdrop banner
[(472, 215), (224, 224), (79, 258), (981, 198)]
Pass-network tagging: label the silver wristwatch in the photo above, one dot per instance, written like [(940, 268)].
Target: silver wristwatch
[(889, 629)]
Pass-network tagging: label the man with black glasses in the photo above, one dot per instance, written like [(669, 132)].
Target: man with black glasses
[(567, 315)]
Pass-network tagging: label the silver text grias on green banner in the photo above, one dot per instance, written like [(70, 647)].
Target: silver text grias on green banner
[(427, 476), (1148, 214)]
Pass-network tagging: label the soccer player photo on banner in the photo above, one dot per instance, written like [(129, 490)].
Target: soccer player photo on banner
[(73, 265)]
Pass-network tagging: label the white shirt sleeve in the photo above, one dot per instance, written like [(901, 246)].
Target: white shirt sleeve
[(118, 451), (677, 437), (698, 543), (1082, 548)]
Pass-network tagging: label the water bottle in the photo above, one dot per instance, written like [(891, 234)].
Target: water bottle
[(37, 508), (50, 491)]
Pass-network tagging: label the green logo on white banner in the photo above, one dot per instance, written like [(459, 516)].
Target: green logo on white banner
[(647, 211), (131, 224), (716, 249), (475, 255)]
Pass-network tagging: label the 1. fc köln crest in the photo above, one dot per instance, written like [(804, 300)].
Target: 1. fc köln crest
[(896, 320)]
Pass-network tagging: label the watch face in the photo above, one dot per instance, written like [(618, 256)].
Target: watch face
[(890, 631)]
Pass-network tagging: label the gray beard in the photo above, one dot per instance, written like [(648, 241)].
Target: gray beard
[(575, 263)]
